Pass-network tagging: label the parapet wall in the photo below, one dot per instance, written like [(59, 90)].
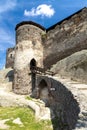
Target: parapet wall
[(66, 38)]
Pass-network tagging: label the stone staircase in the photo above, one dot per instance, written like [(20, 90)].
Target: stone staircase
[(80, 94)]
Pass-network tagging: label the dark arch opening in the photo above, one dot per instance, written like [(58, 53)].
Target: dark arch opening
[(43, 91), (42, 84), (32, 64)]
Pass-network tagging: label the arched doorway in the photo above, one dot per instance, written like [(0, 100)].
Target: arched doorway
[(43, 91), (32, 64), (33, 74)]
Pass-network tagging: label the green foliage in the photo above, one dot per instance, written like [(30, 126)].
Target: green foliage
[(26, 116)]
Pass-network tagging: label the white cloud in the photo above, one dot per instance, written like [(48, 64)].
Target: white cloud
[(7, 5), (41, 10)]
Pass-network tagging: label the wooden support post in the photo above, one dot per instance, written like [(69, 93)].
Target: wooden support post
[(33, 80)]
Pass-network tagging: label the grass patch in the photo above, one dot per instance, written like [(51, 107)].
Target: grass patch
[(26, 116), (28, 98)]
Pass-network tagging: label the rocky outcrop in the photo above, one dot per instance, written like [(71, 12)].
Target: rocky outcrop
[(73, 67)]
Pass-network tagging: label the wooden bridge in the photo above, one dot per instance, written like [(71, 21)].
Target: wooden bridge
[(38, 70)]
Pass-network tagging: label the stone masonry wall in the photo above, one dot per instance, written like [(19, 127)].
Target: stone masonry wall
[(46, 47), (10, 54), (28, 47), (64, 108), (65, 38)]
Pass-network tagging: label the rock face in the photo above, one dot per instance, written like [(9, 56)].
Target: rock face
[(74, 66), (28, 52)]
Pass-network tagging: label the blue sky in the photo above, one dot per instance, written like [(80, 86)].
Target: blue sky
[(44, 12)]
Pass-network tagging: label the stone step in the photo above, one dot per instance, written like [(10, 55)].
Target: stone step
[(6, 86)]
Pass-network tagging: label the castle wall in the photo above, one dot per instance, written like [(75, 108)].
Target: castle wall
[(65, 38), (10, 54), (46, 47), (28, 47)]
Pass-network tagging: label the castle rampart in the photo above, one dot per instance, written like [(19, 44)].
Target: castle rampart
[(65, 38)]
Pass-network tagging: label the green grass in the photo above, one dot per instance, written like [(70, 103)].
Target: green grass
[(28, 98), (26, 116)]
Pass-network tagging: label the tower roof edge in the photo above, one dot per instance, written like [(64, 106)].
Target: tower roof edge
[(29, 22)]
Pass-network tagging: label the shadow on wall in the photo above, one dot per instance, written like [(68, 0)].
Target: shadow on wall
[(10, 75), (63, 107)]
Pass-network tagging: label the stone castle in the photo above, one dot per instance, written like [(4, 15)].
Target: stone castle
[(60, 50), (37, 46)]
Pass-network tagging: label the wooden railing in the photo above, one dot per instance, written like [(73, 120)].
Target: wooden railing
[(39, 70)]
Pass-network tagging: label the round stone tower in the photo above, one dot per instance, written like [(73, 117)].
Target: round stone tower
[(28, 52)]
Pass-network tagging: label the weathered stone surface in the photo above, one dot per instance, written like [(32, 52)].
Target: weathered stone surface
[(66, 38), (10, 99), (63, 106), (10, 55), (79, 91), (62, 102), (6, 75), (47, 47), (74, 66), (3, 124), (28, 47), (17, 121), (50, 46)]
